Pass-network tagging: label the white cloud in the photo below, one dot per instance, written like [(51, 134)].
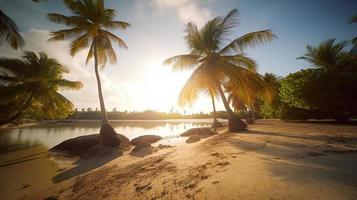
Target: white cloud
[(188, 10)]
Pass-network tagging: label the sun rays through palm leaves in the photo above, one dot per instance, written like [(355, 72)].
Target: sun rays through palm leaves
[(217, 60)]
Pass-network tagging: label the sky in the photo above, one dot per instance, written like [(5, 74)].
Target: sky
[(139, 80)]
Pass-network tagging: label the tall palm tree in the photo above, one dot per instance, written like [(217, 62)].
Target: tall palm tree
[(32, 83), (215, 60), (91, 24), (9, 32)]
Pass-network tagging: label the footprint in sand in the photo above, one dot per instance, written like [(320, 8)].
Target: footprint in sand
[(139, 188), (222, 164)]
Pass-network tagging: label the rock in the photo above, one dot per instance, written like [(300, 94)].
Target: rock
[(204, 132), (145, 139), (78, 145), (194, 138), (235, 124), (142, 149), (86, 144), (141, 146)]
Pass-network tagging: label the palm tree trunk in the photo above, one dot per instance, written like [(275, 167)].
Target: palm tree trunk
[(18, 114), (107, 133), (100, 93), (215, 123), (234, 123)]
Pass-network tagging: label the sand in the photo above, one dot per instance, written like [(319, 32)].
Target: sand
[(272, 160)]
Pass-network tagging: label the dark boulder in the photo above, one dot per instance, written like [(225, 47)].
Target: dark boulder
[(145, 139), (193, 138), (78, 145), (142, 146), (82, 144), (198, 132), (195, 134)]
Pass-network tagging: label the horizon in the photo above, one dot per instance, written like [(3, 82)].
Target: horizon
[(139, 81)]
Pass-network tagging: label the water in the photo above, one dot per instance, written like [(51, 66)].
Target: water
[(50, 134)]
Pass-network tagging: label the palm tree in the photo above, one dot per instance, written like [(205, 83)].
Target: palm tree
[(329, 56), (10, 32), (90, 26), (32, 84), (215, 61)]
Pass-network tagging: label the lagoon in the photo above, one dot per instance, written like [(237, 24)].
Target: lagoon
[(51, 133)]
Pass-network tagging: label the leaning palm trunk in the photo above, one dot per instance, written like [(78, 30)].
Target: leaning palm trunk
[(234, 123), (215, 123), (19, 113), (107, 133)]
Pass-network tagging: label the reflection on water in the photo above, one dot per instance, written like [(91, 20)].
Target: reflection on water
[(50, 134)]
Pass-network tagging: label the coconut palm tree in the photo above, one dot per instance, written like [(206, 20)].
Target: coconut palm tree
[(329, 55), (9, 32), (90, 27), (32, 84), (215, 60)]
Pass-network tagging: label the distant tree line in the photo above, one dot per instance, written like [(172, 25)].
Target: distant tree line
[(90, 114)]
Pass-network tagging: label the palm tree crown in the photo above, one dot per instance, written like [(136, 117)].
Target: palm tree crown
[(90, 24), (34, 82), (215, 60)]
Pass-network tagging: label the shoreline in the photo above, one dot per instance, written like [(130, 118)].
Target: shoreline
[(265, 162)]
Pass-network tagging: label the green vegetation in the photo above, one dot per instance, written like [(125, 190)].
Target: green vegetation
[(325, 91), (90, 27), (29, 88), (215, 61)]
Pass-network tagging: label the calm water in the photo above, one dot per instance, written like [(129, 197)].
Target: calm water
[(50, 134)]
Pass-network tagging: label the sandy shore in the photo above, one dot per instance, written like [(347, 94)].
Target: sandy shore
[(272, 160)]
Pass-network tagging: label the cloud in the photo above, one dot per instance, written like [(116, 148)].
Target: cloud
[(188, 10), (36, 40)]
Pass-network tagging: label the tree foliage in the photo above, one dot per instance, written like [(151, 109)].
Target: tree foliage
[(31, 85), (325, 91)]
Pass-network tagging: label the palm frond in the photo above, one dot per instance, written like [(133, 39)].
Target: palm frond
[(182, 62), (198, 82), (10, 32), (114, 38), (252, 39), (241, 60), (78, 44)]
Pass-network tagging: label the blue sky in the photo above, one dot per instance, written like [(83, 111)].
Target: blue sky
[(139, 81)]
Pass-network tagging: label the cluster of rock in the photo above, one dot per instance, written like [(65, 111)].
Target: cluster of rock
[(90, 145)]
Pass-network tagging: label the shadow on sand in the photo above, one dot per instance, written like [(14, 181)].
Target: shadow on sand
[(87, 165), (318, 157)]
